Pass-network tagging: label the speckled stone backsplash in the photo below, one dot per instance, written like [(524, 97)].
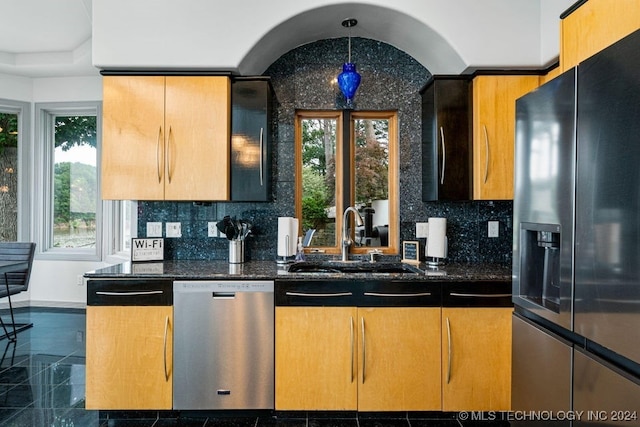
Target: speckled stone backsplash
[(391, 80)]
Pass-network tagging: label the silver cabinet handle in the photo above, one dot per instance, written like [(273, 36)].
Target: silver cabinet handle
[(169, 155), (127, 293), (364, 349), (261, 157), (456, 294), (158, 165), (486, 161), (378, 294), (444, 155), (449, 350), (166, 329), (304, 294), (352, 348)]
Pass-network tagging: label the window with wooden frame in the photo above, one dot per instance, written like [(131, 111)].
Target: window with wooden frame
[(347, 158)]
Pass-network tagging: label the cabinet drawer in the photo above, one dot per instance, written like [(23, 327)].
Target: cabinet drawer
[(477, 294), (130, 292), (318, 293)]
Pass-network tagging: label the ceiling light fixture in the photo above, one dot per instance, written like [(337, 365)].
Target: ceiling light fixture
[(349, 79)]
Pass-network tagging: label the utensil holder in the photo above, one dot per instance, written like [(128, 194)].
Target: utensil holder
[(236, 251)]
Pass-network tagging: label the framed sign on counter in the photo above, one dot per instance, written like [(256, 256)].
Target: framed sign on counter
[(411, 252), (149, 249)]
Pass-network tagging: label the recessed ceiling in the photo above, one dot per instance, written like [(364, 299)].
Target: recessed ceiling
[(44, 38)]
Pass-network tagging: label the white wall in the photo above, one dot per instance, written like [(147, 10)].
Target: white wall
[(67, 89), (220, 35), (550, 28), (16, 88)]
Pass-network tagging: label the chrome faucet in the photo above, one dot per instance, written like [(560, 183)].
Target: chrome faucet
[(347, 241)]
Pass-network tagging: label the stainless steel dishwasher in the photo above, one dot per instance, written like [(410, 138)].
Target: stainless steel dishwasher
[(223, 355)]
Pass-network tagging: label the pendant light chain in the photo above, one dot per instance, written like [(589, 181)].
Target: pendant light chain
[(349, 43)]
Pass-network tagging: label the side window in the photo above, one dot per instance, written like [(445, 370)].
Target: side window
[(14, 173), (70, 209), (8, 177)]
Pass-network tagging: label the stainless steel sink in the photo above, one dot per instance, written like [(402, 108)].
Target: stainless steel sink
[(353, 267)]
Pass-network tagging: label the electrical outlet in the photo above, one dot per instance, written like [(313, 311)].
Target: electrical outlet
[(422, 230), (79, 280), (154, 229), (493, 229), (212, 230), (173, 229)]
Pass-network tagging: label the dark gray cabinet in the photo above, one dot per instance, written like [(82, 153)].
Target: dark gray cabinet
[(447, 157), (251, 100)]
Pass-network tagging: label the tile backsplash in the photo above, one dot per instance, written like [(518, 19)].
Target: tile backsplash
[(391, 80)]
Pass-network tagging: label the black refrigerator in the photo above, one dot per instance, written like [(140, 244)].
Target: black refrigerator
[(576, 264)]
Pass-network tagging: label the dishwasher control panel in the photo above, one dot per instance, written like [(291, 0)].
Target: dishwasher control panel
[(223, 286)]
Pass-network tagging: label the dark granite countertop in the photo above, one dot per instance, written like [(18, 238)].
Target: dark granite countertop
[(269, 270)]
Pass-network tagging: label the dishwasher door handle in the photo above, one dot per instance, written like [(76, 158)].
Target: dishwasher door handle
[(223, 295)]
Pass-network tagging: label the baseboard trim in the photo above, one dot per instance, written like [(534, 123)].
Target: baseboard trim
[(45, 304)]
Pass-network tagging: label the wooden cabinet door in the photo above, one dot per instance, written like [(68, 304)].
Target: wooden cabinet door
[(133, 138), (476, 359), (494, 116), (595, 25), (316, 367), (399, 359), (197, 137), (129, 357)]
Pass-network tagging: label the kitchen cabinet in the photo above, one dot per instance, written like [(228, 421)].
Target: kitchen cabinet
[(251, 100), (476, 347), (166, 137), (447, 139), (315, 358), (494, 115), (129, 345), (334, 352), (399, 367), (366, 359), (594, 25)]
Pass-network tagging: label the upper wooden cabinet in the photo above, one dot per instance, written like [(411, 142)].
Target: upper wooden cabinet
[(595, 25), (446, 139), (494, 114), (166, 137)]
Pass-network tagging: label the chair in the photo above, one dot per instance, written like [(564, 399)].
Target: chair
[(14, 282)]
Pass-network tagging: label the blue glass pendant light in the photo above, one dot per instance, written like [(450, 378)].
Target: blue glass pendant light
[(349, 79)]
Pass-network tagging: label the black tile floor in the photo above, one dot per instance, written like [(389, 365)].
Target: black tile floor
[(42, 384)]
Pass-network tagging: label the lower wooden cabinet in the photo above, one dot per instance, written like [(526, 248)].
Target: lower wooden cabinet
[(129, 357), (399, 362), (366, 359), (315, 358), (476, 358)]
